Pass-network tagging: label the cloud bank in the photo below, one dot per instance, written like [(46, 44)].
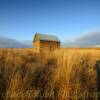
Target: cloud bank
[(11, 43), (88, 40)]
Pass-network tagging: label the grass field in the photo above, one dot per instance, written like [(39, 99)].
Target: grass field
[(65, 74)]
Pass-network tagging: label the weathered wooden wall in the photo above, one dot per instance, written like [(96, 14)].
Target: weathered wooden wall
[(36, 43), (49, 45), (36, 46)]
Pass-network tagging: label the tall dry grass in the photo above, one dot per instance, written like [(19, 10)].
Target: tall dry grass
[(66, 74)]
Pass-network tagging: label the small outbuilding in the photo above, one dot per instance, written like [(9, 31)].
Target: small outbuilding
[(45, 42)]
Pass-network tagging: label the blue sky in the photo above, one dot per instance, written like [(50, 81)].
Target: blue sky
[(68, 19)]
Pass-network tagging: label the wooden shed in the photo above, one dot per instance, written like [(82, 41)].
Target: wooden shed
[(45, 42)]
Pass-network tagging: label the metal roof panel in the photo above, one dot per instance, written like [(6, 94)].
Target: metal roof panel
[(47, 37)]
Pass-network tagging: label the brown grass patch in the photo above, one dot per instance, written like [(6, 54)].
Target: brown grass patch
[(60, 75)]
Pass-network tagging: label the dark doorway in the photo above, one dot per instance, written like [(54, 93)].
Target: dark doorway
[(50, 48)]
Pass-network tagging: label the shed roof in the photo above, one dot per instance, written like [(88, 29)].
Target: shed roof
[(47, 37)]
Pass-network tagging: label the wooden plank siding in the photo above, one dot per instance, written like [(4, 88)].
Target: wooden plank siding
[(36, 46), (49, 45)]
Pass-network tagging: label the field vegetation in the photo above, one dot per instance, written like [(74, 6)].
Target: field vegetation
[(65, 74)]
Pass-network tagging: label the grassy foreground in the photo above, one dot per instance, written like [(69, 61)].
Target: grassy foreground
[(66, 74)]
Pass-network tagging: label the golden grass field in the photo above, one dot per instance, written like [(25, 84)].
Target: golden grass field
[(65, 74)]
